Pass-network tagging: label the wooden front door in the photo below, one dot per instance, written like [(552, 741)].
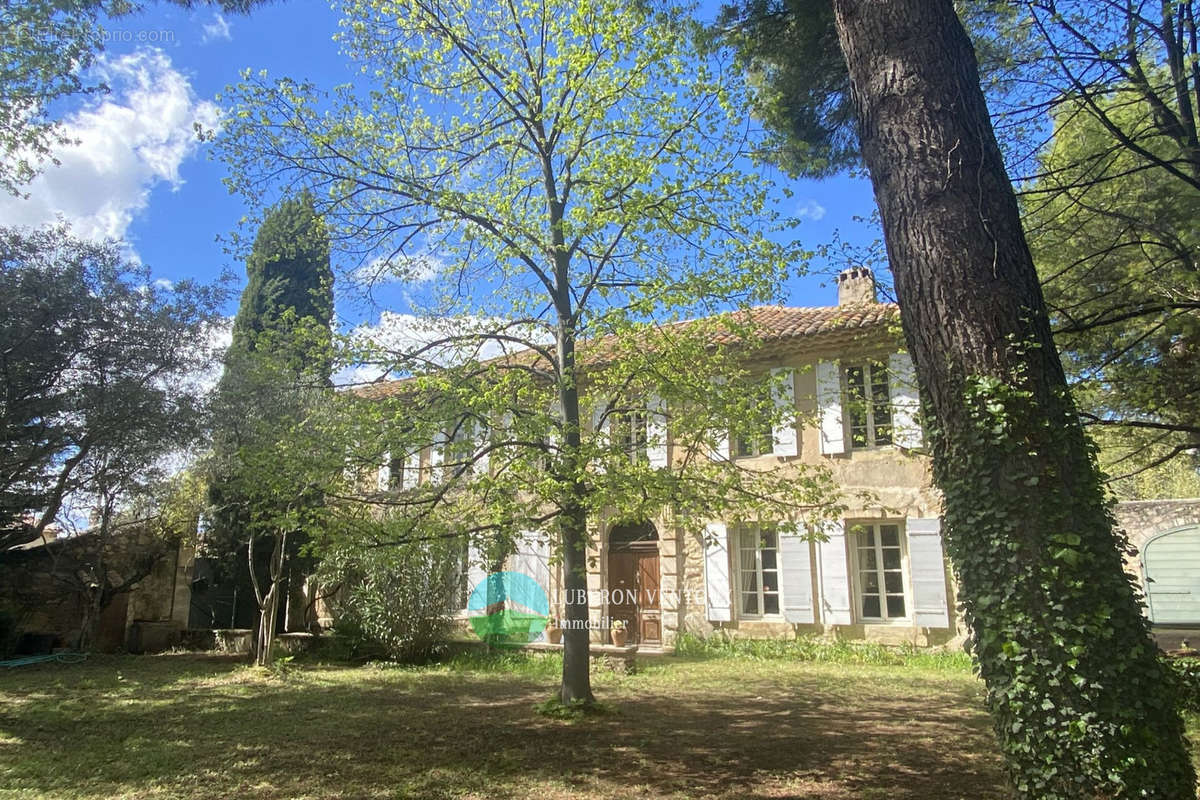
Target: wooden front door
[(634, 596)]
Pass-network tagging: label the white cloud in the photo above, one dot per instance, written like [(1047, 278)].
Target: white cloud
[(399, 334), (811, 209), (412, 269), (131, 141), (219, 28)]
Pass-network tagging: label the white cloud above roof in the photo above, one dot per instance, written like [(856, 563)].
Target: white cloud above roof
[(125, 144)]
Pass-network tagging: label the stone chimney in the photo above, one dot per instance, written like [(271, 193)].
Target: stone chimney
[(856, 286)]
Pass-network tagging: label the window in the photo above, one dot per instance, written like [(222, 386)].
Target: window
[(396, 466), (760, 443), (629, 433), (758, 437), (879, 567), (758, 571), (869, 405)]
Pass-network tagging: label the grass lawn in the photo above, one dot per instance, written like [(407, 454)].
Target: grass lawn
[(189, 726)]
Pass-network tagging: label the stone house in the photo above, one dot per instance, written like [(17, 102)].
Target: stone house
[(879, 574)]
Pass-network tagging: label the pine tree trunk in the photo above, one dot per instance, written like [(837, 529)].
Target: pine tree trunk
[(1074, 683)]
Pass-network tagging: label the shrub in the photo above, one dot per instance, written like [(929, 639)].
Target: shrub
[(1187, 682), (395, 602)]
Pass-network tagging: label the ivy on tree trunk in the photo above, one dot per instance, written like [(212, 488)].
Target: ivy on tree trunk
[(1079, 697)]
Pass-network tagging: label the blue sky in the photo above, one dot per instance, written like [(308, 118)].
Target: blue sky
[(139, 174)]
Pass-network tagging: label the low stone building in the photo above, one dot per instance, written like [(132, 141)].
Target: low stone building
[(1166, 535)]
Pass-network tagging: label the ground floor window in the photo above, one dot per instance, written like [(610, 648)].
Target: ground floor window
[(757, 570), (878, 551)]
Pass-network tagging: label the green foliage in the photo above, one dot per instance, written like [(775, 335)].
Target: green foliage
[(1186, 673), (1080, 701), (396, 602), (99, 378), (287, 305), (789, 50), (1117, 248)]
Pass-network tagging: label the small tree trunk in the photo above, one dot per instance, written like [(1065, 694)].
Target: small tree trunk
[(269, 605), (576, 686), (1078, 695)]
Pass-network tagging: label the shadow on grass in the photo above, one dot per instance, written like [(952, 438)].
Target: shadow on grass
[(193, 727)]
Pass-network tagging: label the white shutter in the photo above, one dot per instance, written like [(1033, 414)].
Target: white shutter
[(482, 444), (411, 476), (600, 430), (656, 432), (906, 404), (383, 478), (796, 580), (927, 566), (476, 573), (716, 573), (532, 558), (437, 454), (829, 408), (783, 392), (721, 451), (835, 575)]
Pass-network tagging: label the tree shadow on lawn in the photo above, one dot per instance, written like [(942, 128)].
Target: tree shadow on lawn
[(191, 732)]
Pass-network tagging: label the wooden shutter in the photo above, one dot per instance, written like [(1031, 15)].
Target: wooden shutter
[(532, 558), (656, 432), (411, 476), (482, 441), (437, 455), (796, 581), (721, 451), (716, 573), (927, 567), (383, 478), (829, 408), (783, 391), (835, 575), (906, 405)]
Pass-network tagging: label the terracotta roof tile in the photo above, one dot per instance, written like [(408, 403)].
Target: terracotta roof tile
[(774, 324)]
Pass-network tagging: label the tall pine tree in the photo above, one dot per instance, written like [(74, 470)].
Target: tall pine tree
[(279, 356)]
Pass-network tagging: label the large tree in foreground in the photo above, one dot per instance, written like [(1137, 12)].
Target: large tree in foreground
[(1080, 701), (568, 169)]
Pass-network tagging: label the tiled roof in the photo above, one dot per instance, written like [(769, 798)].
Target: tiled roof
[(779, 323), (772, 324)]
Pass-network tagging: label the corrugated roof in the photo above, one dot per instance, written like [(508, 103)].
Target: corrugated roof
[(773, 324)]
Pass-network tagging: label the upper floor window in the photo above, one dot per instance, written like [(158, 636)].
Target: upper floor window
[(868, 404), (757, 571), (629, 433)]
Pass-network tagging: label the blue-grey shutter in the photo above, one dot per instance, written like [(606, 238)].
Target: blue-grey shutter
[(829, 408), (716, 573), (906, 405), (656, 432), (835, 575), (796, 579), (783, 392), (927, 568)]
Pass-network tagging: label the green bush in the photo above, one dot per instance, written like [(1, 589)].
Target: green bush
[(395, 602), (1186, 672)]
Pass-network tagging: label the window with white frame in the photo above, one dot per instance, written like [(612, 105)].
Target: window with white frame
[(629, 433), (758, 438), (757, 571), (868, 404), (880, 590)]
